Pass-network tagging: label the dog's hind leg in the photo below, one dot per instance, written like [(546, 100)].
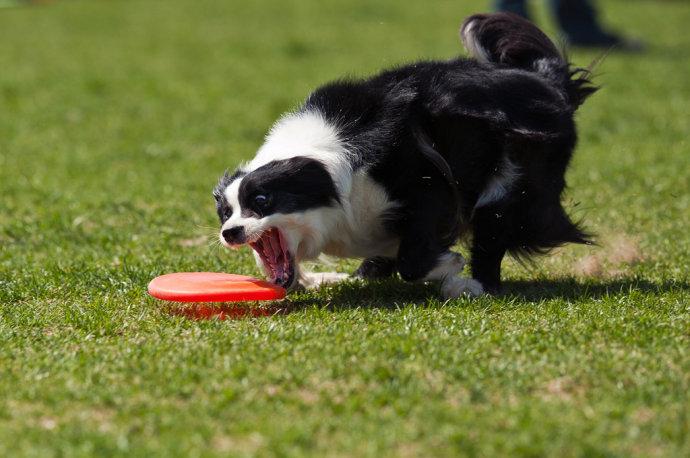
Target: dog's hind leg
[(376, 268), (489, 246)]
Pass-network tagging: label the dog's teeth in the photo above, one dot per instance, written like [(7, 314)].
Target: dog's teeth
[(280, 273)]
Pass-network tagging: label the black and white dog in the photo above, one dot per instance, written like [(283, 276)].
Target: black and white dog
[(396, 168)]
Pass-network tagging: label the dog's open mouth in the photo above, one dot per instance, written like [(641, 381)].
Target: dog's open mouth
[(277, 259)]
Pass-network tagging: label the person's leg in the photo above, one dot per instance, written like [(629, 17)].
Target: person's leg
[(512, 6), (578, 20)]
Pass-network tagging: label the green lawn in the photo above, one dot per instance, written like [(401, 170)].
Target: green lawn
[(116, 118)]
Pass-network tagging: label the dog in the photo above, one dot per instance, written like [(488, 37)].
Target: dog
[(395, 169)]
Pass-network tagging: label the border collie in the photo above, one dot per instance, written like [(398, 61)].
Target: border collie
[(396, 168)]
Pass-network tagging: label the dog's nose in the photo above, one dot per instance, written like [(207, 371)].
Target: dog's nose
[(235, 235)]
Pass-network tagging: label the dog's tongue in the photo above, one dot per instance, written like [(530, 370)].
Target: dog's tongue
[(271, 247)]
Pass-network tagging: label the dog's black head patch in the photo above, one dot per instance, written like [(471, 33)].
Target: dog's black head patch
[(286, 186), (282, 186)]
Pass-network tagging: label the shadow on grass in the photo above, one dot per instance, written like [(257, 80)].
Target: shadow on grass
[(570, 288), (395, 293), (389, 294), (223, 311), (667, 53)]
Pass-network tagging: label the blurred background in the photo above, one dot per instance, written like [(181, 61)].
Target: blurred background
[(116, 120), (117, 117)]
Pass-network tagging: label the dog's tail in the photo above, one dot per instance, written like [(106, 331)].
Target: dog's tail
[(510, 40)]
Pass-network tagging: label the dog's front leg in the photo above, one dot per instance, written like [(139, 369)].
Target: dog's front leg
[(418, 255), (450, 264), (420, 259), (310, 280)]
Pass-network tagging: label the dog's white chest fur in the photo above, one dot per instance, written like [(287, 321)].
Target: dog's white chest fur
[(360, 231)]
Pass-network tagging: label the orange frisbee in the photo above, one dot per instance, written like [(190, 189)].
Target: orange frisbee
[(212, 287)]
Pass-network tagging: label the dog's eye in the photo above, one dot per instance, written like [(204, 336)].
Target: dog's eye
[(261, 200), (224, 213)]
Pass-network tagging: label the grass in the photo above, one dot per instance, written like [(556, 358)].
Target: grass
[(116, 118)]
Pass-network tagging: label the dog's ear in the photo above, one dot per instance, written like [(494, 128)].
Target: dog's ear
[(223, 182)]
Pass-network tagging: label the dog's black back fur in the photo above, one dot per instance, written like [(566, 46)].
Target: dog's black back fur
[(513, 104)]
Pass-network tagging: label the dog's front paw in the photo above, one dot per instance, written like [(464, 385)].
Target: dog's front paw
[(449, 264), (310, 280), (453, 287), (456, 261)]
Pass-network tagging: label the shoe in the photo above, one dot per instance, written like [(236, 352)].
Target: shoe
[(609, 41)]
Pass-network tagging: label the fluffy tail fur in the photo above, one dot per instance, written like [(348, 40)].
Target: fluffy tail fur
[(510, 40)]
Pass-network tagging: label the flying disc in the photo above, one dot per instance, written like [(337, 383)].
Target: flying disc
[(212, 287)]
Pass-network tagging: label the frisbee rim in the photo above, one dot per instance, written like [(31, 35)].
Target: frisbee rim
[(160, 288)]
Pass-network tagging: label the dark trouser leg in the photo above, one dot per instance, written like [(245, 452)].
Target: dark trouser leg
[(578, 20), (512, 6)]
